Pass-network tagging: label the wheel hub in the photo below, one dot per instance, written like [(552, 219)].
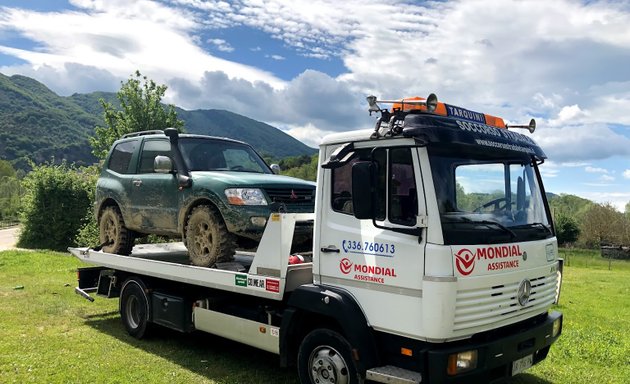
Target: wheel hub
[(328, 366)]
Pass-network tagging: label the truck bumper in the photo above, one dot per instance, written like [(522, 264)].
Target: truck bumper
[(496, 356)]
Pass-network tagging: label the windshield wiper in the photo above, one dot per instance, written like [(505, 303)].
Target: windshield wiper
[(490, 223), (536, 225)]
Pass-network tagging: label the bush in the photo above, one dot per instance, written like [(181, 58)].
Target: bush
[(567, 230), (55, 204)]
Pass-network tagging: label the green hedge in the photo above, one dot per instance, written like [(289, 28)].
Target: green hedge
[(55, 205)]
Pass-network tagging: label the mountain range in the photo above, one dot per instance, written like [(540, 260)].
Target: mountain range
[(38, 125)]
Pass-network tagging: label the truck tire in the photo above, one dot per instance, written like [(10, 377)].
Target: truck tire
[(113, 233), (326, 357), (207, 238), (135, 308)]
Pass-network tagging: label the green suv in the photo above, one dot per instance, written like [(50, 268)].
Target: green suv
[(215, 193)]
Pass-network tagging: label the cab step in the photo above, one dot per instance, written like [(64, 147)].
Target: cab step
[(393, 375)]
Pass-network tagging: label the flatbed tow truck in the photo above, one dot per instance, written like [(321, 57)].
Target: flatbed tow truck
[(418, 273)]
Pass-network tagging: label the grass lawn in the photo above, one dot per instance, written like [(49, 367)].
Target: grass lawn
[(50, 335)]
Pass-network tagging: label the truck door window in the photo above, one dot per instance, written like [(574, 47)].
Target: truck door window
[(150, 150), (341, 197), (121, 157), (396, 185), (403, 199)]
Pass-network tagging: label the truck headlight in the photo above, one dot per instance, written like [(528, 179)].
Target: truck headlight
[(557, 325), (245, 196), (461, 362)]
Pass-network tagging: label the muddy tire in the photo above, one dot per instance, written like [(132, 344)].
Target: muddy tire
[(207, 238), (113, 233)]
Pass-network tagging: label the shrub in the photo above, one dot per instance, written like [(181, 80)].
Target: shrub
[(55, 204)]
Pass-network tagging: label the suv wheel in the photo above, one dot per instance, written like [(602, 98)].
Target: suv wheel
[(207, 238), (113, 233)]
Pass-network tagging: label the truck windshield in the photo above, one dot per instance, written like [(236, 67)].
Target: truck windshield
[(218, 155), (484, 200)]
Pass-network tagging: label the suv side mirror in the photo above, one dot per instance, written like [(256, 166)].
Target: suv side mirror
[(362, 189), (275, 168), (162, 164)]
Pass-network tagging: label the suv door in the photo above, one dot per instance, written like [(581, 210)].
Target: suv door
[(154, 196)]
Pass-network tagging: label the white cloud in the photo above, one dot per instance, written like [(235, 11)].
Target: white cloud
[(118, 37), (565, 63), (626, 174), (590, 169), (606, 178), (221, 45), (275, 57)]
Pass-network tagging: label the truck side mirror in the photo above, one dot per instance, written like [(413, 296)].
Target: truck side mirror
[(362, 189), (275, 168)]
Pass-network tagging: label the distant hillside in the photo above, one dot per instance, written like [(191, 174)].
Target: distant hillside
[(36, 124)]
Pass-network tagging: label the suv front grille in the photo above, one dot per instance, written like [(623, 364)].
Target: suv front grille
[(291, 196)]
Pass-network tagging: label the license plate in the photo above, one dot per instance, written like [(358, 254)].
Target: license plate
[(523, 364)]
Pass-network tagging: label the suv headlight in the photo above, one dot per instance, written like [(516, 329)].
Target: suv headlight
[(245, 196)]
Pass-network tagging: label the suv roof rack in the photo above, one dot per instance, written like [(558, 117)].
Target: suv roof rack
[(142, 133)]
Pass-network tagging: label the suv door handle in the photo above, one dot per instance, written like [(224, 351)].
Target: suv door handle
[(329, 249), (137, 183)]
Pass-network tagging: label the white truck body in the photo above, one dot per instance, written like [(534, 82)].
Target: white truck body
[(411, 295)]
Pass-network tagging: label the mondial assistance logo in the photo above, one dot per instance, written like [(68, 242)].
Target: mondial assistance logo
[(465, 258)]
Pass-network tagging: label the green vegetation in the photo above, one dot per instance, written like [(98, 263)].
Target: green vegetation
[(11, 192), (59, 337), (54, 206), (51, 335), (38, 125), (595, 341), (303, 167), (141, 109)]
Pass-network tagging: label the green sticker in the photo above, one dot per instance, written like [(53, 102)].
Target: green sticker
[(240, 280)]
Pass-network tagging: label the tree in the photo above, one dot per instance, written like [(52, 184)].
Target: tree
[(567, 230), (141, 110), (601, 223), (6, 169)]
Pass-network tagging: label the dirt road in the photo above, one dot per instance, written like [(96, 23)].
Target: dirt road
[(8, 238)]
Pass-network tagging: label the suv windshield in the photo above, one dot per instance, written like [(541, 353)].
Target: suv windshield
[(218, 155), (484, 200)]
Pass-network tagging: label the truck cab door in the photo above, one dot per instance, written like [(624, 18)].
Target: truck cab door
[(373, 261), (154, 196)]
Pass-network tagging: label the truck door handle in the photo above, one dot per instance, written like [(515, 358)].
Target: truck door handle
[(137, 183), (329, 249)]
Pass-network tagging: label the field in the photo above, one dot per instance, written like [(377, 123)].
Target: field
[(50, 335)]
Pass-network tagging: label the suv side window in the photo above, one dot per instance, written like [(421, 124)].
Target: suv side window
[(150, 150), (121, 156)]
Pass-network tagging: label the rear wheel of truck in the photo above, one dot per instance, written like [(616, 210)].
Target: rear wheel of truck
[(113, 233), (135, 308), (207, 238), (325, 357)]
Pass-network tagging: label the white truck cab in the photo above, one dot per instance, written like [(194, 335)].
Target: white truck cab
[(434, 260)]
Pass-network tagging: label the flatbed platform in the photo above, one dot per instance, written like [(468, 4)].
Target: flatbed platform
[(265, 273)]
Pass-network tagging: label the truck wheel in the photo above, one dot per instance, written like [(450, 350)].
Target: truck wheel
[(325, 357), (207, 238), (112, 230), (135, 308)]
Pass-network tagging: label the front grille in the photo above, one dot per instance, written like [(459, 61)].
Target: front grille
[(483, 306), (291, 196)]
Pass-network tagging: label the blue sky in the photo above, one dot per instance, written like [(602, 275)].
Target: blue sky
[(306, 66)]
